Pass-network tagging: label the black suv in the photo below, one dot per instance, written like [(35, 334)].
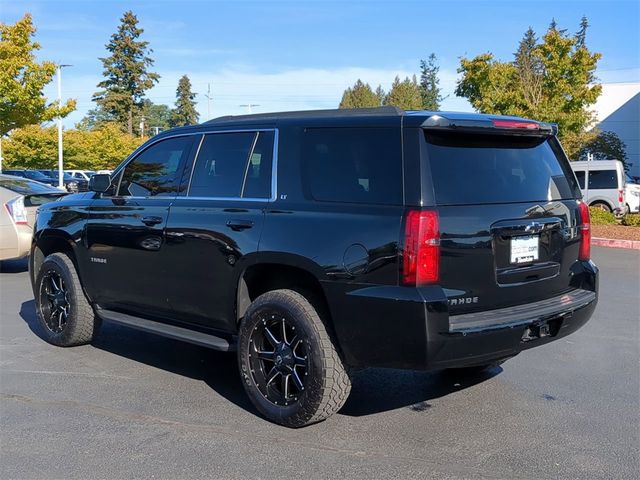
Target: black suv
[(317, 242)]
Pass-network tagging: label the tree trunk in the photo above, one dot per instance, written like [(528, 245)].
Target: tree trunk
[(130, 122)]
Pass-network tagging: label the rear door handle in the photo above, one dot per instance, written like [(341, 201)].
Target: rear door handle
[(151, 220), (238, 225)]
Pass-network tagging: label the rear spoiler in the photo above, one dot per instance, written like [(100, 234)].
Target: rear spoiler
[(501, 126)]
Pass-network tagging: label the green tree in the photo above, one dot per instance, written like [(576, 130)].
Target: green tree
[(127, 75), (185, 112), (551, 80), (22, 79), (605, 146), (359, 96), (430, 84), (156, 115), (405, 94), (382, 96)]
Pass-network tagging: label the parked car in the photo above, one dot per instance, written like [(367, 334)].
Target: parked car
[(104, 172), (20, 197), (80, 174), (71, 184), (632, 195), (602, 184), (317, 242), (32, 175)]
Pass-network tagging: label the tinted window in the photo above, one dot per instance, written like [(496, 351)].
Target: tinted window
[(154, 171), (257, 183), (470, 169), (221, 165), (25, 186), (355, 165), (580, 177), (603, 179)]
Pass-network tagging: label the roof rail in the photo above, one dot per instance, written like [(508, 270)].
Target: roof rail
[(338, 112)]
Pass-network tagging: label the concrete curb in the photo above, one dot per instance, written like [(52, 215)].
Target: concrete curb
[(609, 242)]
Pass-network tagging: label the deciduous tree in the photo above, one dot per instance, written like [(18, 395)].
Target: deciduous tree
[(22, 79), (605, 146), (552, 80)]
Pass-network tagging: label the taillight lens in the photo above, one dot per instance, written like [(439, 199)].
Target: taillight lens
[(621, 197), (16, 210), (421, 260), (516, 124), (585, 232)]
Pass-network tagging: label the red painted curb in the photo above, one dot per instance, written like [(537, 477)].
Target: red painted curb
[(609, 242)]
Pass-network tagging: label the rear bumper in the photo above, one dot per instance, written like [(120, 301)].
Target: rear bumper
[(402, 327)]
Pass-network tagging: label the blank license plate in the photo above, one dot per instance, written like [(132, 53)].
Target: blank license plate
[(524, 249)]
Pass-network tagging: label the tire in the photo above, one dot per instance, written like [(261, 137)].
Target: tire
[(282, 335), (602, 206), (64, 314)]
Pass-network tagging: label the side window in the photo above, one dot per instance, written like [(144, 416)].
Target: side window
[(580, 177), (355, 165), (233, 165), (257, 182), (603, 179), (154, 171)]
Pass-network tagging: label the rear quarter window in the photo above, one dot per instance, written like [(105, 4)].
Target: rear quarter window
[(353, 165), (604, 179), (479, 168)]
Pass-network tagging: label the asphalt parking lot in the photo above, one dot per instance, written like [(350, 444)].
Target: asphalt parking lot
[(136, 405)]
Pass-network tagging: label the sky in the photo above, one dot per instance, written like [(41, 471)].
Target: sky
[(298, 55)]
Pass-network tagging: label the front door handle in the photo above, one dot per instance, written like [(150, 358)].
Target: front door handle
[(151, 220), (239, 225)]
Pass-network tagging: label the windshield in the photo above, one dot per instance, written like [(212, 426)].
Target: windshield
[(34, 175)]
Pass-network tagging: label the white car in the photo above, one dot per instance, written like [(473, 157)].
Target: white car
[(632, 195), (81, 174)]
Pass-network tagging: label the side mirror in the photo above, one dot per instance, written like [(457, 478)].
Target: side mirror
[(100, 182)]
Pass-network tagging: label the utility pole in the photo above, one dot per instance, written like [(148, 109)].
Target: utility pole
[(60, 160), (208, 97), (249, 106)]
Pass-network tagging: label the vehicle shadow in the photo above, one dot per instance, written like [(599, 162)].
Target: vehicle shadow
[(14, 266), (374, 390)]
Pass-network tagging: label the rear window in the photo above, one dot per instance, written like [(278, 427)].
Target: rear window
[(25, 186), (471, 169), (353, 165), (603, 179)]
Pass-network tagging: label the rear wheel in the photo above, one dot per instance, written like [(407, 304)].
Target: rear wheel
[(65, 316), (601, 206), (290, 368)]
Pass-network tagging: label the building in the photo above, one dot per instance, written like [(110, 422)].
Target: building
[(618, 110)]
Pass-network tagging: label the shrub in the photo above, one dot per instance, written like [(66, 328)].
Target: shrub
[(631, 220), (600, 217)]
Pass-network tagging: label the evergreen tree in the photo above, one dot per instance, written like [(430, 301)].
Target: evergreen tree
[(429, 84), (185, 112), (22, 79), (605, 146), (127, 73), (381, 95), (359, 96), (405, 94)]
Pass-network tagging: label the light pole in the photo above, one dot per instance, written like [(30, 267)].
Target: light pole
[(249, 106), (208, 97), (60, 162)]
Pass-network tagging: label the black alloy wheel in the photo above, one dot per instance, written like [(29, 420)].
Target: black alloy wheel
[(54, 301), (278, 359)]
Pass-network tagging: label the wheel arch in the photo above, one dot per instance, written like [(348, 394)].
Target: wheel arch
[(47, 242)]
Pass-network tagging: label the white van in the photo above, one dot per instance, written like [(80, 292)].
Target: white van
[(602, 184)]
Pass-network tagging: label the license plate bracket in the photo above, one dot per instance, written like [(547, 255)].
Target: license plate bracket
[(524, 249)]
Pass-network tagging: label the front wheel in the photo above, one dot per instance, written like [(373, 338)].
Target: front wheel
[(65, 316), (290, 368)]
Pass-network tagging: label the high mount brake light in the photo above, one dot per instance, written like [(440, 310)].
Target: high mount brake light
[(584, 226), (516, 124), (421, 260)]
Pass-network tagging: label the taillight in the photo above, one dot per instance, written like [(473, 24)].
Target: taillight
[(16, 210), (621, 197), (421, 259), (585, 231), (516, 124)]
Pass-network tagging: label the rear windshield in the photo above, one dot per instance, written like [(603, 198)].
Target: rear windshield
[(472, 169), (25, 186)]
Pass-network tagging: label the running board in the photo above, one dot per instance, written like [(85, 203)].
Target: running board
[(166, 330)]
